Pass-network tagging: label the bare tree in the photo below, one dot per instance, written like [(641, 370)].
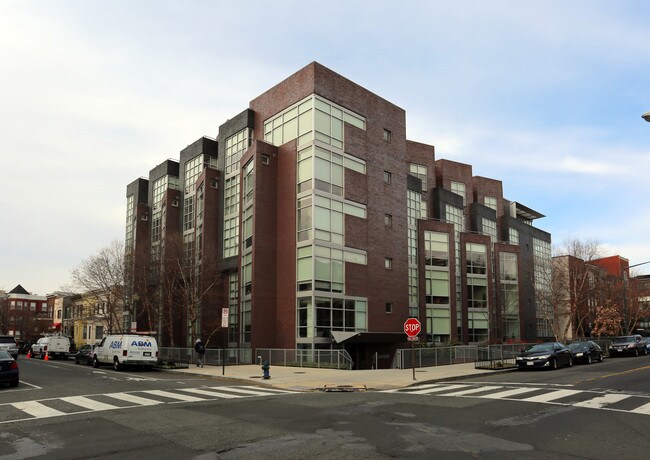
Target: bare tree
[(103, 274), (575, 285)]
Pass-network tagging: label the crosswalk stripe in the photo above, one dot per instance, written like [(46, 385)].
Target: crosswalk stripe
[(243, 391), (37, 409), (437, 390), (88, 403), (273, 390), (180, 397), (473, 390), (220, 394), (552, 396), (601, 401), (127, 397), (645, 409), (508, 393)]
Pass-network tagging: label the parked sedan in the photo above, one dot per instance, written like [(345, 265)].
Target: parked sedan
[(549, 355), (85, 355), (628, 345), (8, 369), (586, 352)]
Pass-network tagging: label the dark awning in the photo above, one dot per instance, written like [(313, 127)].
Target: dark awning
[(368, 337)]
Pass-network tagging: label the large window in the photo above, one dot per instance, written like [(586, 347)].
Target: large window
[(489, 228), (130, 210), (459, 189), (476, 255), (437, 286), (419, 171), (490, 202), (436, 249), (236, 146)]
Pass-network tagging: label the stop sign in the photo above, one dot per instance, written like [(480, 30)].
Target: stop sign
[(412, 327)]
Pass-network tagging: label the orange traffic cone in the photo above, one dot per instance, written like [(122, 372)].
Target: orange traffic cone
[(29, 354), (47, 357)]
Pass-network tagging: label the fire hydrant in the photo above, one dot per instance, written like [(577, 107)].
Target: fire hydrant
[(265, 368)]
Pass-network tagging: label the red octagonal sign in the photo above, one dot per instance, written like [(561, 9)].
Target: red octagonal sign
[(412, 327)]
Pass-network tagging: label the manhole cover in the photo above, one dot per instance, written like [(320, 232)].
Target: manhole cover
[(302, 372)]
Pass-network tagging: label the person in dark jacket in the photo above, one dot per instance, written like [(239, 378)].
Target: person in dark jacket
[(200, 353)]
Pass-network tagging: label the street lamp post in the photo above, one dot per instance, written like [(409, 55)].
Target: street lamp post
[(625, 281)]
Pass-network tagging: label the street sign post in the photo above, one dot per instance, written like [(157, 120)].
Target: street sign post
[(412, 328), (224, 332)]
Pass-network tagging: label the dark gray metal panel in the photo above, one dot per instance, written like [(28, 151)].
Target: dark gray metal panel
[(413, 183), (477, 211)]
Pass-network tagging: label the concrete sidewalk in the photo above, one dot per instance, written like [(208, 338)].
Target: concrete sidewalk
[(312, 379)]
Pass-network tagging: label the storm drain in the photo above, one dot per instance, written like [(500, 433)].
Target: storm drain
[(343, 388)]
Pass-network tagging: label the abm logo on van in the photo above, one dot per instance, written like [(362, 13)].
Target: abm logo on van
[(115, 344), (140, 343)]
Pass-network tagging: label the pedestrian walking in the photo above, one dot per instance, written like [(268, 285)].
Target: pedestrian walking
[(200, 353)]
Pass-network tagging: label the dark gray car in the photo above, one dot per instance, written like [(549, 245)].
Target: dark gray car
[(628, 345), (548, 355)]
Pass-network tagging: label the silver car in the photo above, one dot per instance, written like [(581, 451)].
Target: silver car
[(8, 344)]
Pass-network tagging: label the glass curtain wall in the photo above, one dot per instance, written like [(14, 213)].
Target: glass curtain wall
[(509, 295), (437, 282), (322, 305), (542, 272)]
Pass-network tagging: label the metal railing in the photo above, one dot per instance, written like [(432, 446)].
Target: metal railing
[(183, 357), (501, 356), (435, 356), (331, 359)]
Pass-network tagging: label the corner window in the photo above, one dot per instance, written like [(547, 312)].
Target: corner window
[(388, 220), (387, 135), (387, 177), (389, 307), (388, 263)]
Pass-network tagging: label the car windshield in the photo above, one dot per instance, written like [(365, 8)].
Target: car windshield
[(578, 345), (7, 340), (541, 347), (624, 339)]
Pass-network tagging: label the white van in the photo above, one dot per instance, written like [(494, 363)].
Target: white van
[(126, 349), (52, 346)]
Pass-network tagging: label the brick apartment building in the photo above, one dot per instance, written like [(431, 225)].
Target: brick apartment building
[(315, 221), (24, 315)]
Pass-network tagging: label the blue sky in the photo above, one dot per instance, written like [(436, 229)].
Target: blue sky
[(545, 96)]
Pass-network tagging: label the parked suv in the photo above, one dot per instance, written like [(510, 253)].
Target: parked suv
[(628, 345), (8, 343)]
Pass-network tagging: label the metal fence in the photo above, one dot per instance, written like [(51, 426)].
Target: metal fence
[(331, 359), (435, 356), (501, 356), (183, 357)]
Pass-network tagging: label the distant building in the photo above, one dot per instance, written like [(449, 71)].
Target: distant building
[(24, 315), (318, 225)]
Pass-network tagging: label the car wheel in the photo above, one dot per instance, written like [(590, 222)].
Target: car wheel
[(95, 362), (116, 364), (636, 352), (76, 360), (554, 364), (89, 362), (588, 359), (600, 358), (570, 361)]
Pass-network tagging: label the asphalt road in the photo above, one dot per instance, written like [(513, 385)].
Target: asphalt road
[(597, 411)]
